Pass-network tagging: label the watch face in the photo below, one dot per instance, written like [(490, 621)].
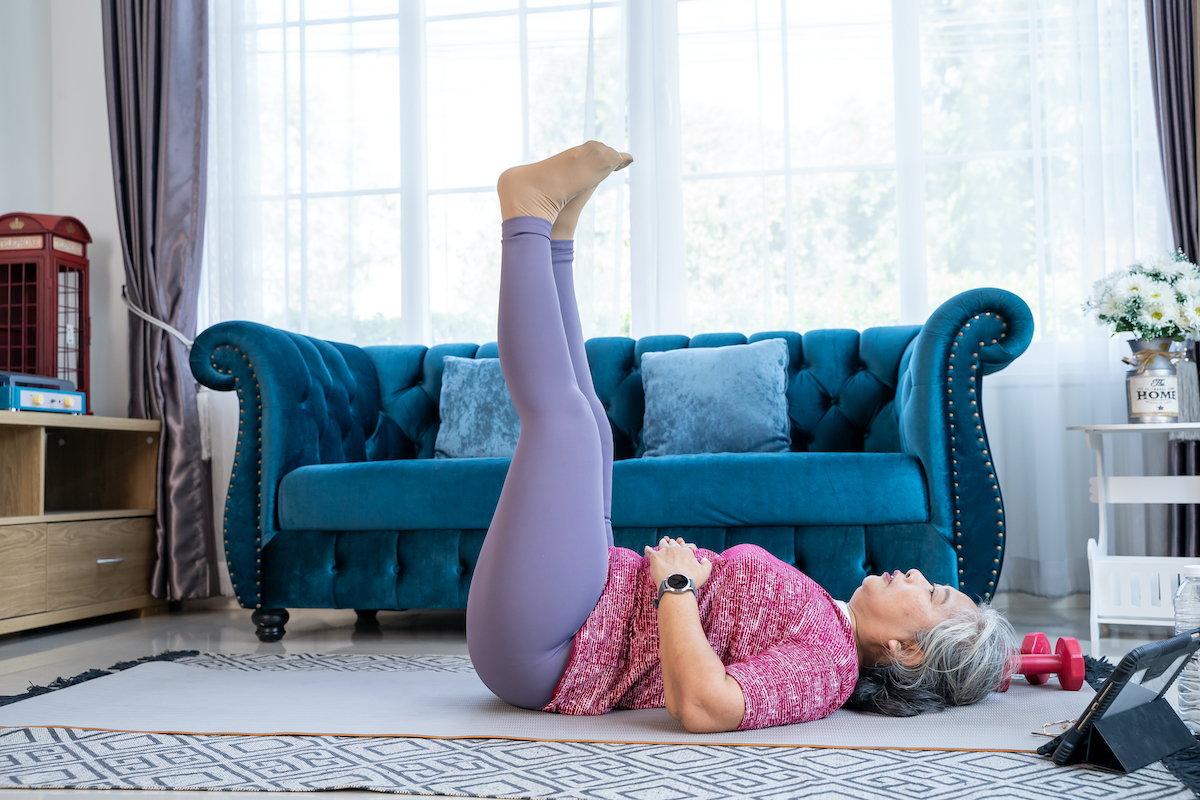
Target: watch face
[(677, 581)]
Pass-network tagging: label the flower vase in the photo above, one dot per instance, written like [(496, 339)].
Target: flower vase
[(1152, 387)]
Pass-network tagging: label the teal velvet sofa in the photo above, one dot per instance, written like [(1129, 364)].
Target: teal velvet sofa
[(335, 500)]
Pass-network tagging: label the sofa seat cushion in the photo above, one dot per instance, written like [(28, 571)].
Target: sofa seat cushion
[(706, 490)]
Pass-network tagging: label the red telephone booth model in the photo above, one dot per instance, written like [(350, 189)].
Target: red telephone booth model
[(45, 327)]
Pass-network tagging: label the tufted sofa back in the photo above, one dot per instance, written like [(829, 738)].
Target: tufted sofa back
[(841, 387)]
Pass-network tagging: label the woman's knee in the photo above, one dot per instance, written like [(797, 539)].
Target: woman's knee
[(526, 682), (569, 416)]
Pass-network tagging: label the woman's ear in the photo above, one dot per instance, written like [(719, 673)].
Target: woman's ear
[(907, 653)]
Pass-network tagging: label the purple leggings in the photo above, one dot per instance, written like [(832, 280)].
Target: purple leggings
[(544, 562)]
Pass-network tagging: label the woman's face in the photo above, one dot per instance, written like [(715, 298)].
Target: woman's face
[(889, 609)]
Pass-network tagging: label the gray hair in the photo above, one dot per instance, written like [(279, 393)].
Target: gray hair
[(964, 659)]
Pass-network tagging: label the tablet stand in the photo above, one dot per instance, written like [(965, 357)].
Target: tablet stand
[(1132, 739)]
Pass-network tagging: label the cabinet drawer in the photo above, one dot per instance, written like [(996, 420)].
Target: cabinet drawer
[(22, 570), (96, 561)]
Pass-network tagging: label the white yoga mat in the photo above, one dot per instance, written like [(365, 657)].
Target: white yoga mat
[(175, 698)]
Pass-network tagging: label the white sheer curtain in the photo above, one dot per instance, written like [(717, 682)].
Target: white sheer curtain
[(800, 164)]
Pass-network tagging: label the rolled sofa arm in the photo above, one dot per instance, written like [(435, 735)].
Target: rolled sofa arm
[(301, 401), (940, 411)]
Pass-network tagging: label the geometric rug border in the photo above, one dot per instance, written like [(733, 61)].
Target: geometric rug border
[(62, 758)]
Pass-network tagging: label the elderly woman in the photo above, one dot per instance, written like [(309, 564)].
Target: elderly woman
[(558, 619)]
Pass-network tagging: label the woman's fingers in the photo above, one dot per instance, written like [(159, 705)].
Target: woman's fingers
[(678, 542)]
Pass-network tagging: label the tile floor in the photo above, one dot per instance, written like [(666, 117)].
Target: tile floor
[(38, 657)]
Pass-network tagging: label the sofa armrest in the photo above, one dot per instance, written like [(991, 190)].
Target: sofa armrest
[(301, 401), (940, 411)]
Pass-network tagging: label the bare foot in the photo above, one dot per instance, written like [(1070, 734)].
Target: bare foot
[(543, 189), (568, 218)]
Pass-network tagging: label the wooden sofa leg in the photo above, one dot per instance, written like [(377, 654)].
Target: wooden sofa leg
[(269, 622), (366, 619)]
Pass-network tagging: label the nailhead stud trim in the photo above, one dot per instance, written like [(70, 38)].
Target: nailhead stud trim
[(257, 446), (979, 438)]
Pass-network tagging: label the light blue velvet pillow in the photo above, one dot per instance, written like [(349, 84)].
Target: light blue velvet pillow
[(717, 399), (478, 417)]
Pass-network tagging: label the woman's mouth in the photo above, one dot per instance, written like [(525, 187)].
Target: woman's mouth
[(887, 576)]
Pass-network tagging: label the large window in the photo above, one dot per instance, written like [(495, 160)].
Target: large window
[(840, 164)]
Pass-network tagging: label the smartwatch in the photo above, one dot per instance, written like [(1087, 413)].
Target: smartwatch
[(675, 584)]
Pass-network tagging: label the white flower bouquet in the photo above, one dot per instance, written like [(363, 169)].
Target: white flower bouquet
[(1155, 298)]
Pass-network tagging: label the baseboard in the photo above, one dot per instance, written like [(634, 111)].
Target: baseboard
[(1019, 601), (217, 603)]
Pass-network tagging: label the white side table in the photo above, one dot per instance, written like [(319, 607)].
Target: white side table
[(1133, 590)]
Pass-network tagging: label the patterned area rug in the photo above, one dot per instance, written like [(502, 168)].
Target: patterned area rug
[(65, 758)]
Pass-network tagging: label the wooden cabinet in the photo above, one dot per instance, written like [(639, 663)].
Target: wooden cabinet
[(77, 498)]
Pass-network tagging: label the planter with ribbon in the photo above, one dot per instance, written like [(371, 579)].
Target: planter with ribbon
[(1152, 384)]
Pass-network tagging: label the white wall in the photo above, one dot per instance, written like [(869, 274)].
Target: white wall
[(54, 113), (25, 170), (83, 188)]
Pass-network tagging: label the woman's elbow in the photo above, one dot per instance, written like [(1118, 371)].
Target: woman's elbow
[(673, 709), (699, 718)]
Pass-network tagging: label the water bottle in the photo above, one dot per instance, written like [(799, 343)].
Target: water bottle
[(1187, 617)]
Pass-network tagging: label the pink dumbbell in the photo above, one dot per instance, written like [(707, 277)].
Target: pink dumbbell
[(1038, 663)]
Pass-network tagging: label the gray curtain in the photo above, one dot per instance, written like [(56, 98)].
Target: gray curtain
[(1172, 69), (156, 64)]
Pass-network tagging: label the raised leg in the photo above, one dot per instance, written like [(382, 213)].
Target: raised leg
[(269, 623), (563, 254), (544, 561)]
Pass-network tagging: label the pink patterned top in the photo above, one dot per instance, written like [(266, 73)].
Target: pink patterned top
[(779, 634)]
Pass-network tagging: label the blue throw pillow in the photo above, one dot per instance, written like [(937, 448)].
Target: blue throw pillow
[(478, 417), (717, 399)]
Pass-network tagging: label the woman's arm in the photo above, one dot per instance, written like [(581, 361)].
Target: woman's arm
[(696, 688)]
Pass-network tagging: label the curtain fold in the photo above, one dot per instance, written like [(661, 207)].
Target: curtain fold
[(156, 65), (1172, 71)]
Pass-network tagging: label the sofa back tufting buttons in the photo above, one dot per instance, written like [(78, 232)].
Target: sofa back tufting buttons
[(460, 569)]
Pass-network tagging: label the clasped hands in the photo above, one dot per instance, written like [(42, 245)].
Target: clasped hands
[(676, 555)]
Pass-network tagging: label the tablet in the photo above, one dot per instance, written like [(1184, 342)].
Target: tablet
[(1142, 676)]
